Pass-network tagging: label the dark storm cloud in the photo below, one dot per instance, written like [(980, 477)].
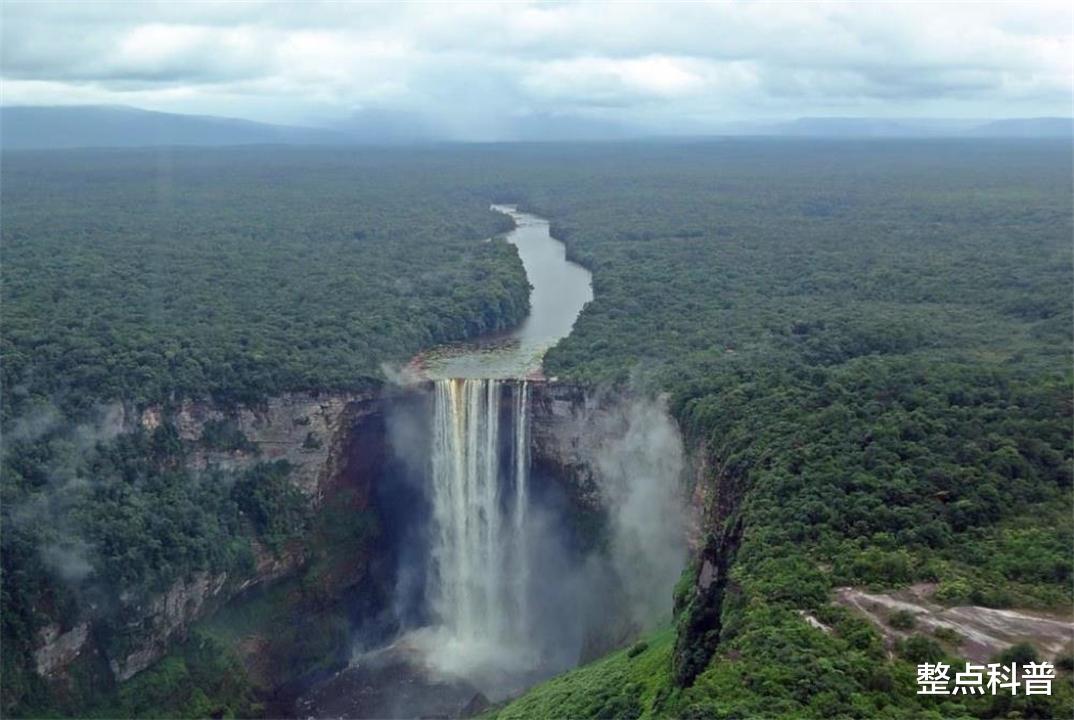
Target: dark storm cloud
[(470, 65)]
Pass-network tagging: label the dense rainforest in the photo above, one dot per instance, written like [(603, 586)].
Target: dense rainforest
[(152, 276), (872, 343), (867, 344), (138, 279)]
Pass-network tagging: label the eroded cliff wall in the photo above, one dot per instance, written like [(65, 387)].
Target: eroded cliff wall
[(619, 460), (332, 442)]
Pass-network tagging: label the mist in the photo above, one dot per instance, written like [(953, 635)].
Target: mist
[(583, 599), (640, 473), (71, 445)]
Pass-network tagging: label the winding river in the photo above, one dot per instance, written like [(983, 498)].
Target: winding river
[(560, 289)]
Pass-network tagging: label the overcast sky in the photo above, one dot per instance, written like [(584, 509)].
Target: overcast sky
[(471, 65)]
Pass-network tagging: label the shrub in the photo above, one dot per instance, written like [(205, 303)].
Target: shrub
[(920, 649), (947, 634), (902, 620), (1019, 654)]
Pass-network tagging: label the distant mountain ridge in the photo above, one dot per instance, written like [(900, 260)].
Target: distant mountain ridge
[(52, 127), (1028, 127), (1051, 127), (31, 127)]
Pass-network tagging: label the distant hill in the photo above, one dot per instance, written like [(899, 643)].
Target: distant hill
[(873, 127), (545, 127), (843, 127), (108, 126), (117, 126), (1027, 127)]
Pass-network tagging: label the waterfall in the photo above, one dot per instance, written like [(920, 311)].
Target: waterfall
[(480, 469)]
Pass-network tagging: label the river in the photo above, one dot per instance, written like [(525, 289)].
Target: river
[(560, 289)]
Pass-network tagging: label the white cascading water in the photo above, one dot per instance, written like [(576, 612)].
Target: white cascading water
[(479, 574)]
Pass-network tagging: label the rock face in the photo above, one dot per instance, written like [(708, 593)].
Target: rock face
[(980, 633), (315, 433), (717, 495), (307, 430), (58, 649), (335, 441), (619, 461), (562, 415), (163, 617), (579, 434)]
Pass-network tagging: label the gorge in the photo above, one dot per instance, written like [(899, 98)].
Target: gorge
[(219, 502), (505, 543), (472, 530)]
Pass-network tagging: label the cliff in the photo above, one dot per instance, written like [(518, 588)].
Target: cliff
[(308, 430), (618, 460), (589, 449), (318, 434), (561, 445), (717, 532)]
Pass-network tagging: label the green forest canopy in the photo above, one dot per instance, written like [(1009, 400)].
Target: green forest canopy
[(872, 339), (160, 275)]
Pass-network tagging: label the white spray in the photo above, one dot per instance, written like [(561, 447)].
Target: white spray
[(479, 574)]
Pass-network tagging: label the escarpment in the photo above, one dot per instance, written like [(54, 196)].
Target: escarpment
[(718, 494), (330, 441), (337, 450)]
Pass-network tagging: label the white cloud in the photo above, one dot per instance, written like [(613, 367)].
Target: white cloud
[(473, 62), (596, 80)]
